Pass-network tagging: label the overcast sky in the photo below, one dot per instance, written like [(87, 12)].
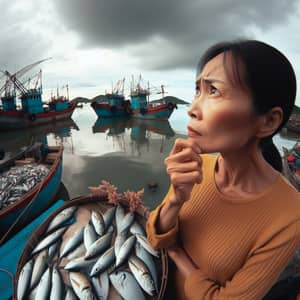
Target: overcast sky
[(94, 43)]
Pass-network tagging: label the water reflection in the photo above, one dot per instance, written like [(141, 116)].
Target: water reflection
[(14, 140)]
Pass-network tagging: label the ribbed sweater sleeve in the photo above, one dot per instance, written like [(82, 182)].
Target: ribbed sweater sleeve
[(165, 240), (256, 276)]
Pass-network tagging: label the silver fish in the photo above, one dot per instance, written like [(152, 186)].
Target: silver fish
[(49, 240), (78, 252), (126, 222), (142, 275), (70, 294), (119, 216), (89, 235), (61, 218), (57, 288), (104, 262), (79, 263), (39, 267), (144, 242), (72, 242), (108, 216), (54, 248), (119, 241), (125, 250), (101, 285), (98, 222), (136, 228), (147, 258), (24, 280), (126, 285), (99, 246), (81, 286), (43, 288)]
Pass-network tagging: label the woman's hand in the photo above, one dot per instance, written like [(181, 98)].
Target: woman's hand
[(182, 261), (184, 168)]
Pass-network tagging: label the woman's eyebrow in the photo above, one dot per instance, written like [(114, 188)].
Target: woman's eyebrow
[(209, 80)]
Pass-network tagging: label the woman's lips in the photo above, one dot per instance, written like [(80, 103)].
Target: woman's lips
[(192, 132)]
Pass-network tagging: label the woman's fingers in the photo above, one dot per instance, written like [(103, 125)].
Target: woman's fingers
[(185, 155), (178, 179), (181, 144)]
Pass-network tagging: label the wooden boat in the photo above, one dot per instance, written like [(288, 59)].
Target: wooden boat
[(85, 205), (114, 104), (142, 108), (39, 197), (290, 170)]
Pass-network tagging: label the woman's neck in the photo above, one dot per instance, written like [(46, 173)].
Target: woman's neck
[(244, 173)]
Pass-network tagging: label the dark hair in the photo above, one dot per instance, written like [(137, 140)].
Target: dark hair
[(269, 77)]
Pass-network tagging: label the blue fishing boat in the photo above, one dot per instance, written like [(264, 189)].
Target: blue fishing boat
[(115, 104), (39, 197), (31, 111), (142, 108)]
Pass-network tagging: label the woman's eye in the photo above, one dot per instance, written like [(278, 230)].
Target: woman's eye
[(213, 90), (197, 91)]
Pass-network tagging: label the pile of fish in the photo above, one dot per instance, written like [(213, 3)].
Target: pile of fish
[(106, 256), (18, 180)]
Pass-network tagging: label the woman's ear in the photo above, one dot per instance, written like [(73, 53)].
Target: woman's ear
[(270, 122)]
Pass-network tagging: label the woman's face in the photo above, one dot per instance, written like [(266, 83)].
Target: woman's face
[(222, 116)]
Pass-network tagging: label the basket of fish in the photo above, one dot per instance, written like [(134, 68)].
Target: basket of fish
[(93, 247)]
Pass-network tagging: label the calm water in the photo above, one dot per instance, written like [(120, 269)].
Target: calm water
[(127, 153)]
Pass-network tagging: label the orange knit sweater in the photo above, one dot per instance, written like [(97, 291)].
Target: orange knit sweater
[(240, 246)]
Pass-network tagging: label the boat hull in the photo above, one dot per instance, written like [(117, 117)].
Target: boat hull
[(18, 119), (43, 195), (104, 110), (161, 112)]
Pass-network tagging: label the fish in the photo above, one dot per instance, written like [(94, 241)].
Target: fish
[(119, 241), (142, 275), (144, 242), (54, 248), (119, 216), (108, 216), (89, 235), (101, 285), (70, 294), (49, 240), (99, 246), (79, 263), (104, 262), (57, 286), (126, 222), (39, 267), (78, 252), (61, 218), (125, 250), (72, 242), (98, 222), (24, 280), (136, 228), (147, 258), (44, 286), (81, 286), (126, 285)]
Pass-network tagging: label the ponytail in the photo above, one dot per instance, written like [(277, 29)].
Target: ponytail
[(271, 153)]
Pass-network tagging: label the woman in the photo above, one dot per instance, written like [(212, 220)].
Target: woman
[(231, 222)]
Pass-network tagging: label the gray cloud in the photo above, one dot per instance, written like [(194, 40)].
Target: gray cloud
[(169, 33)]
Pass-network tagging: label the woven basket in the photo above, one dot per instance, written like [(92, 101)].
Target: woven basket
[(85, 204)]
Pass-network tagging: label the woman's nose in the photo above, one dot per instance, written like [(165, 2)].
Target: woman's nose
[(195, 110)]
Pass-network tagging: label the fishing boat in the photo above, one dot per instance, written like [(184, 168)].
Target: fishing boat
[(31, 111), (291, 167), (19, 211), (142, 108), (77, 215), (114, 104)]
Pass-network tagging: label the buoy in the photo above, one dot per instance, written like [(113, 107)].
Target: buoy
[(152, 185)]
